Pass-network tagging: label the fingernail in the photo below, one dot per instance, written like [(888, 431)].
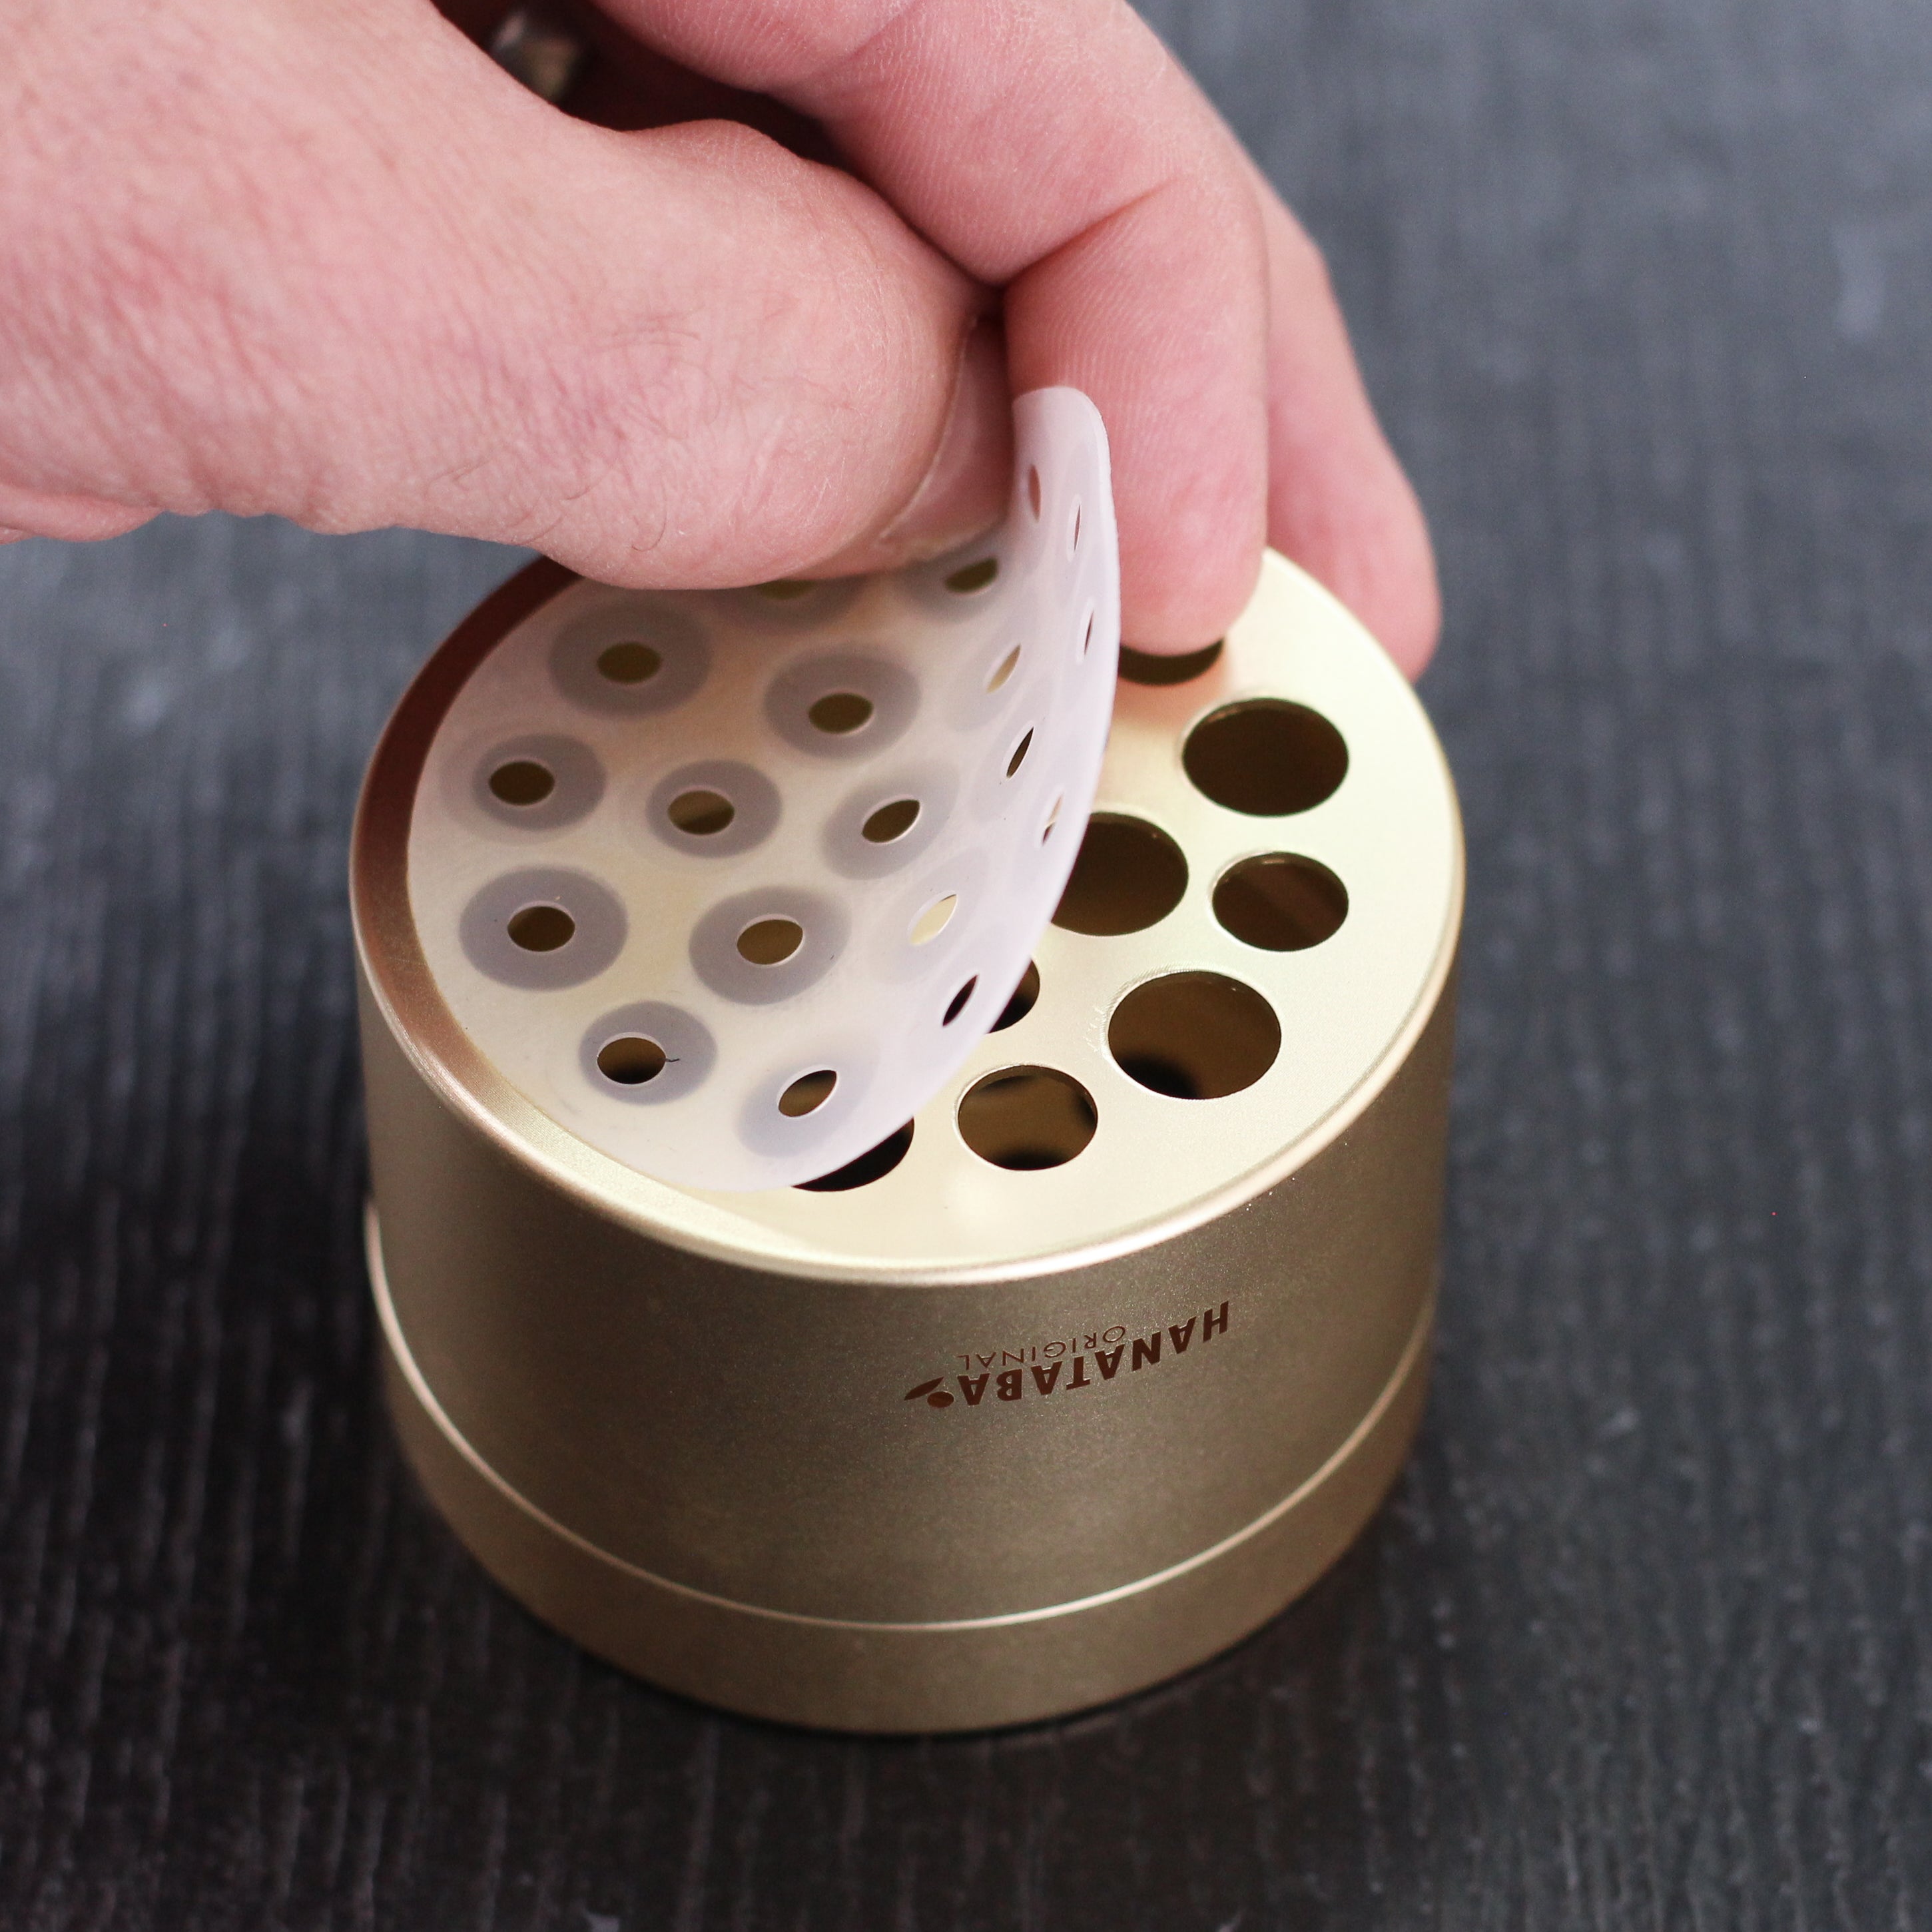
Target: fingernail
[(964, 490)]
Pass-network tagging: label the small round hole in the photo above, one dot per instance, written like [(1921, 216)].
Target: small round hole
[(629, 663), (786, 589), (1020, 1002), (1032, 491), (1128, 875), (958, 1004), (807, 1094), (1266, 758), (1027, 1118), (891, 821), (701, 812), (1194, 1035), (1004, 669), (840, 713), (523, 782), (770, 942), (541, 928), (1087, 635), (1073, 531), (931, 922), (1052, 820), (1281, 903), (874, 1164), (971, 576), (1157, 667), (631, 1060), (1020, 750)]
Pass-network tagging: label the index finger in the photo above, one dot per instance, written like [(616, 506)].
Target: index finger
[(1054, 147)]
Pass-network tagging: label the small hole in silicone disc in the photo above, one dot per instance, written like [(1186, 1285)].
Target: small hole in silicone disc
[(1128, 875), (701, 813), (770, 942), (958, 1001), (1281, 903), (1073, 540), (1052, 820), (1151, 667), (1020, 1001), (1033, 492), (891, 821), (1266, 758), (1027, 1118), (631, 1060), (840, 712), (874, 1164), (629, 663), (931, 922), (541, 928), (808, 1093), (523, 782), (1004, 669), (972, 576), (1018, 758), (1194, 1035)]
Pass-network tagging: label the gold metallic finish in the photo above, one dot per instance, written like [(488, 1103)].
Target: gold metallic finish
[(967, 1445)]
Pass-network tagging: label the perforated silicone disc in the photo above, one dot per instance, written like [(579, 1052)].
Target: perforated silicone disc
[(728, 883)]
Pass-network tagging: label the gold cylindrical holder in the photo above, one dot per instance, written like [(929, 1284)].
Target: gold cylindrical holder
[(1112, 1362)]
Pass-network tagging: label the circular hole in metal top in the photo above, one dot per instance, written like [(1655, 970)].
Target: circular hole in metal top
[(1128, 875), (1280, 902), (1194, 1035), (1157, 667), (1266, 757), (874, 1164), (1027, 1118), (1020, 1001)]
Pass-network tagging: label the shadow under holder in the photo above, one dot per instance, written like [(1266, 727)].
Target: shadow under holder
[(1104, 1363)]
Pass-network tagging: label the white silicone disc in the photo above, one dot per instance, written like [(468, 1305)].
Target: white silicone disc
[(728, 883)]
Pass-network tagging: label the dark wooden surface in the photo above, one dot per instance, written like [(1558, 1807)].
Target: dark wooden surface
[(1641, 1641)]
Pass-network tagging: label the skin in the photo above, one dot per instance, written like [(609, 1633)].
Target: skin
[(753, 307)]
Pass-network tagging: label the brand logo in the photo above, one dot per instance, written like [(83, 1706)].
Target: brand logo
[(1060, 1367)]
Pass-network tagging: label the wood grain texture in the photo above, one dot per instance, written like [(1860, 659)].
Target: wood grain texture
[(1644, 290)]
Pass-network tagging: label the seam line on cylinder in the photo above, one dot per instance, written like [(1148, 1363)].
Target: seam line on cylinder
[(399, 1349)]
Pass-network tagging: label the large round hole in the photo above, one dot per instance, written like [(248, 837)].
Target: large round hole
[(808, 1093), (1280, 902), (1128, 875), (840, 713), (701, 812), (931, 922), (1157, 667), (1266, 757), (1027, 1117), (770, 942), (629, 663), (523, 782), (874, 1164), (631, 1060), (1194, 1036), (891, 821), (1020, 1002), (541, 928), (971, 576)]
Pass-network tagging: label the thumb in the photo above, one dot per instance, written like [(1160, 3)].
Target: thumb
[(360, 277)]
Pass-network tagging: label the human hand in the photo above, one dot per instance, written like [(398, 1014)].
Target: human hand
[(329, 261)]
